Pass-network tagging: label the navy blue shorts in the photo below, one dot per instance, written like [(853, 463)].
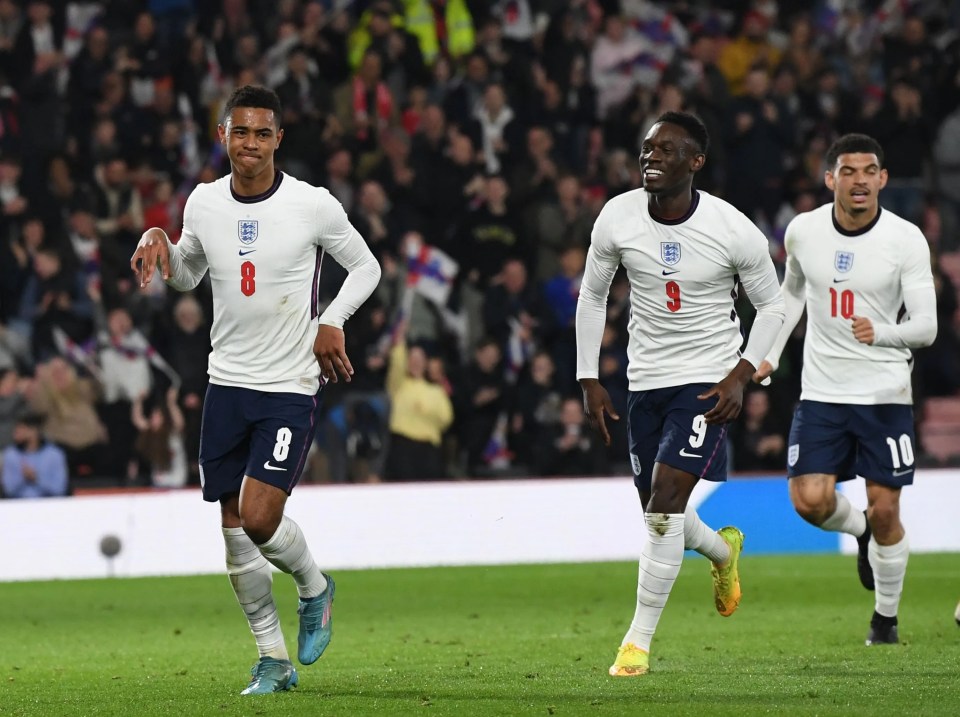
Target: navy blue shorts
[(666, 425), (876, 442), (256, 433)]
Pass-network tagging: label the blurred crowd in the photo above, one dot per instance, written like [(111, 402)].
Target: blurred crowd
[(472, 144)]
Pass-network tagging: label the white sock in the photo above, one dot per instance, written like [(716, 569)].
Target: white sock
[(659, 566), (252, 580), (846, 518), (889, 563), (288, 550), (698, 536)]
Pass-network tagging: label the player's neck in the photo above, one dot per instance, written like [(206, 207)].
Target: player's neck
[(671, 206), (854, 222), (253, 186)]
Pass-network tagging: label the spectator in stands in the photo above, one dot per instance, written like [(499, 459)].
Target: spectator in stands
[(399, 50), (759, 136), (70, 420), (307, 105), (535, 407), (751, 48), (420, 412), (513, 304), (55, 297), (557, 223), (119, 211), (339, 177), (376, 220), (12, 403), (14, 349), (534, 173), (159, 442), (32, 467), (615, 64), (904, 127), (448, 186), (937, 371), (490, 235), (395, 173), (495, 130), (569, 447), (757, 438), (561, 292), (946, 157), (482, 398), (187, 349), (465, 94), (366, 106), (442, 27)]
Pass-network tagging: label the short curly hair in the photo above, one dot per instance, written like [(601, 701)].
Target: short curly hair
[(853, 144), (254, 96), (692, 125)]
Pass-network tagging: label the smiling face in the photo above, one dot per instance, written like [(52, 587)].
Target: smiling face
[(856, 181), (251, 136), (668, 159)]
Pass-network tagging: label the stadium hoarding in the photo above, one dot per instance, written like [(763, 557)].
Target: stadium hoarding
[(420, 524)]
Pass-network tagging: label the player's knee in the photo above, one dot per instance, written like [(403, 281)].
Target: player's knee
[(810, 508), (259, 526)]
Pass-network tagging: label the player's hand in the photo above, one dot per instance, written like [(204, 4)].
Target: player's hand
[(331, 353), (729, 394), (152, 251), (762, 374), (863, 330), (597, 404)]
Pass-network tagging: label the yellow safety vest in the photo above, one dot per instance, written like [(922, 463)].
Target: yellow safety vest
[(420, 23), (359, 38)]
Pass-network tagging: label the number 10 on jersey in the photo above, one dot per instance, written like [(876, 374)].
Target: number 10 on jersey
[(842, 300)]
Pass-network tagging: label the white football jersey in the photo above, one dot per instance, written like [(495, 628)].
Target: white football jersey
[(684, 277), (264, 255), (846, 274)]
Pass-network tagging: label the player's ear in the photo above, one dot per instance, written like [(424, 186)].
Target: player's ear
[(222, 133), (829, 181), (279, 138), (699, 159), (883, 178)]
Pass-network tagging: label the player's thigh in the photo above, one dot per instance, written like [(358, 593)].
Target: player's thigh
[(688, 443), (886, 443), (224, 441), (820, 441), (283, 430), (644, 425)]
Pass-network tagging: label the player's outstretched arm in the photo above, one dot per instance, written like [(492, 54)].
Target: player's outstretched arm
[(152, 252)]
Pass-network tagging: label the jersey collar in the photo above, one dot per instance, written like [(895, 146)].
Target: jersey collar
[(277, 178), (855, 232), (694, 201)]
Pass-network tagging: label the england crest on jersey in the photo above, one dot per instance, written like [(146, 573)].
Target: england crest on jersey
[(670, 252), (247, 230), (844, 261)]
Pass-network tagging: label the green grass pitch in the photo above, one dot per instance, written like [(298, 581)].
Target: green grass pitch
[(518, 640)]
